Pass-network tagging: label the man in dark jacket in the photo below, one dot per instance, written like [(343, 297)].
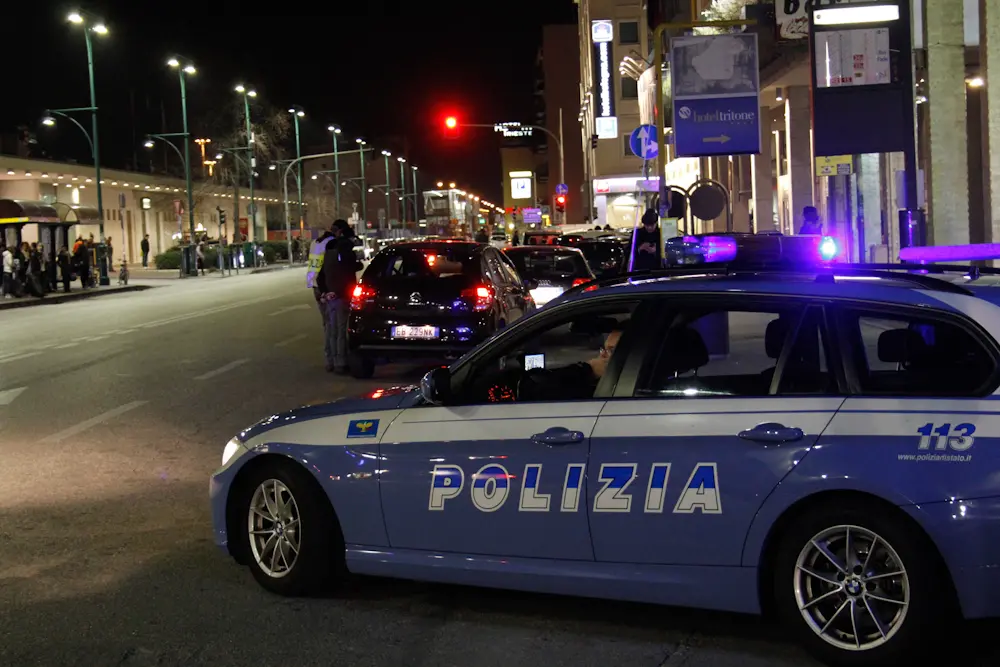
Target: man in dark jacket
[(336, 280)]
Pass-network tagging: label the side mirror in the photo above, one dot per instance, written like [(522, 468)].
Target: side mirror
[(530, 284), (435, 386)]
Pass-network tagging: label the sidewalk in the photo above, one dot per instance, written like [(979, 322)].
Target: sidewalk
[(175, 274), (76, 295)]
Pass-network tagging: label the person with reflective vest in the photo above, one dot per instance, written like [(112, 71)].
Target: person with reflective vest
[(317, 251)]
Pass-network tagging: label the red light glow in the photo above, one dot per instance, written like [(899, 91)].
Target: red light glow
[(451, 122)]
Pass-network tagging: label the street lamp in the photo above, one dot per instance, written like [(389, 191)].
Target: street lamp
[(387, 155), (402, 187), (99, 28), (297, 113), (335, 130), (252, 207), (182, 73), (364, 199), (416, 204)]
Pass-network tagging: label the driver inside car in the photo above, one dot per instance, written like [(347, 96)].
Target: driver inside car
[(576, 381)]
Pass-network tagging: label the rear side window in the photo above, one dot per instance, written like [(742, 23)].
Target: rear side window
[(549, 265), (913, 356), (440, 262)]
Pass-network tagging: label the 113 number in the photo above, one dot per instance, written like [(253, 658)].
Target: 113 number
[(960, 438)]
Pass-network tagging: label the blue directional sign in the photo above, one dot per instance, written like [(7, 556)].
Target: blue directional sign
[(643, 142), (716, 95), (562, 189)]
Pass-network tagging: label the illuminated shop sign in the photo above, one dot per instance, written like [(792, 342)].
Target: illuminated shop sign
[(602, 35)]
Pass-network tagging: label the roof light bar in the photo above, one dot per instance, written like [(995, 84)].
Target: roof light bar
[(950, 253)]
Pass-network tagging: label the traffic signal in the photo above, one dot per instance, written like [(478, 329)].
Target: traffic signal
[(451, 127), (561, 203)]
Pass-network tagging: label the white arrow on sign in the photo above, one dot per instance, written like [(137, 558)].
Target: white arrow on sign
[(644, 141), (8, 395)]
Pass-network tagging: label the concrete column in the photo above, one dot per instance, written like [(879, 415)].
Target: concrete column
[(948, 196), (798, 147), (869, 186), (989, 54), (761, 177)]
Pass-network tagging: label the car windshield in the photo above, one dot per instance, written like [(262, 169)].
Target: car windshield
[(549, 264), (429, 262)]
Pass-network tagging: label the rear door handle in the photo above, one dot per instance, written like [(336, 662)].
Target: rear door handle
[(772, 432), (558, 436)]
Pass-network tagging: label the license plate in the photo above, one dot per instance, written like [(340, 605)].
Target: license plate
[(416, 333)]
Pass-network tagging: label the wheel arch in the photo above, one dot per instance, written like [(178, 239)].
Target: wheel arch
[(237, 547), (838, 499)]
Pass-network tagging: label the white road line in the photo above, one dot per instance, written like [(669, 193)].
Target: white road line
[(18, 357), (96, 338), (219, 371), (91, 423), (301, 306), (289, 341), (66, 346)]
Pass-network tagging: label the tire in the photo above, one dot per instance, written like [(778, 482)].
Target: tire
[(361, 366), (319, 561), (907, 629)]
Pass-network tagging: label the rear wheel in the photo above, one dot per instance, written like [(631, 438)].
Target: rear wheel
[(288, 530), (860, 587), (361, 366)]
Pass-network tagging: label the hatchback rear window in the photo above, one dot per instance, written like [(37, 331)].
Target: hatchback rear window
[(549, 265), (431, 262)]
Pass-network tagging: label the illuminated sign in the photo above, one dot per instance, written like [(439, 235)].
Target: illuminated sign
[(602, 34), (513, 129), (520, 188)]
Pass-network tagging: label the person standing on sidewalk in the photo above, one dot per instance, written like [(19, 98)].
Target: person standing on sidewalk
[(144, 246), (337, 278), (317, 253), (8, 273)]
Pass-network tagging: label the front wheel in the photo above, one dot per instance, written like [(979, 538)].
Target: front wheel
[(289, 530), (860, 587)]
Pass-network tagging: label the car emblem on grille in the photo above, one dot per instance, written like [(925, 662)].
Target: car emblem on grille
[(415, 298)]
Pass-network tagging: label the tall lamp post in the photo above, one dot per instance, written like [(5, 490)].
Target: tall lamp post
[(387, 155), (252, 209), (182, 74), (98, 27), (364, 188), (416, 202), (167, 139), (402, 188), (297, 113), (335, 130)]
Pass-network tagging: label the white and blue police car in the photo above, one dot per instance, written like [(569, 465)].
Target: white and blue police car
[(818, 442)]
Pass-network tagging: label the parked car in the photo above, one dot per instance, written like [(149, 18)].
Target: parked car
[(554, 269), (606, 258)]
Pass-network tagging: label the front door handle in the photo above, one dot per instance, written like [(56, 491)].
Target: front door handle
[(772, 432), (558, 436)]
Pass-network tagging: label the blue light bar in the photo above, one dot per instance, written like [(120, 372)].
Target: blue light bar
[(950, 253), (828, 249)]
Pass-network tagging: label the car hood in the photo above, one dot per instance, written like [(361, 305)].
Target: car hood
[(380, 399)]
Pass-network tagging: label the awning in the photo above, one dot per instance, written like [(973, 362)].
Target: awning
[(77, 215), (18, 211)]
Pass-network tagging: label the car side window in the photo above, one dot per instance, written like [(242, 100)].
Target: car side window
[(707, 352), (563, 359), (496, 269), (510, 270), (915, 356)]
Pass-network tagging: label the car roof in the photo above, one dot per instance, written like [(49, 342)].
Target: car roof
[(541, 248), (436, 244), (887, 287)]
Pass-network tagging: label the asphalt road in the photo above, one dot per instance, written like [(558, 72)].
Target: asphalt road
[(113, 413)]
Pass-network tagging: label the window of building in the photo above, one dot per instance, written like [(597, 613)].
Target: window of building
[(627, 144), (630, 88), (628, 32)]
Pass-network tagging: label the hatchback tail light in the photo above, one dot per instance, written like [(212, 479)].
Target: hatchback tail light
[(481, 297), (580, 281), (360, 295)]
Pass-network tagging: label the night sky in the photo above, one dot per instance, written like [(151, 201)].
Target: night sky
[(389, 78)]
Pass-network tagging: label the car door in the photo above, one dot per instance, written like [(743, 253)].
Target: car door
[(510, 296), (489, 476), (729, 395)]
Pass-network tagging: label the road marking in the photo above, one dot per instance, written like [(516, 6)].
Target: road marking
[(18, 357), (300, 306), (91, 423), (95, 338), (225, 369), (66, 346), (7, 396), (293, 339)]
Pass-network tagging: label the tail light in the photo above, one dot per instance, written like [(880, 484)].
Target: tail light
[(580, 281), (481, 297), (360, 295)]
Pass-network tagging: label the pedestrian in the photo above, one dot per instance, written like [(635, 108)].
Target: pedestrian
[(810, 221), (65, 268), (200, 257), (8, 272), (317, 253), (81, 257), (648, 253), (337, 278), (144, 247), (482, 236)]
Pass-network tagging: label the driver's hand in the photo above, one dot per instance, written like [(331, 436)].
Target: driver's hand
[(599, 365)]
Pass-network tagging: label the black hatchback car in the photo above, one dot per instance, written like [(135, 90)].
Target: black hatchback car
[(552, 269), (431, 299)]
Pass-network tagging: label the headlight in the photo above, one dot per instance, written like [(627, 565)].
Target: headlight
[(232, 447)]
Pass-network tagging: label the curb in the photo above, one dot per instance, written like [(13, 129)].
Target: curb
[(66, 298)]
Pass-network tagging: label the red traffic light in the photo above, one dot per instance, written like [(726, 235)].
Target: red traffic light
[(451, 127), (451, 122), (561, 199)]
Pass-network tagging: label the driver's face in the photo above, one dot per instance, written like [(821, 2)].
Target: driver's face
[(610, 343)]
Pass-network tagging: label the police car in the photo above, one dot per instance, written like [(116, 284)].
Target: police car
[(817, 442)]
